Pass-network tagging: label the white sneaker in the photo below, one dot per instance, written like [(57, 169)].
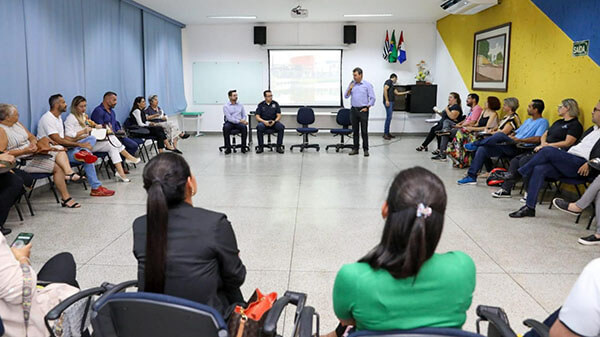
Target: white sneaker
[(524, 199), (118, 178), (136, 161)]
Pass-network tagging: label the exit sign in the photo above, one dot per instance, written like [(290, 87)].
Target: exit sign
[(581, 48)]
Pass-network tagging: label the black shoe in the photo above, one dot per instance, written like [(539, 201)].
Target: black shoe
[(5, 231), (260, 150), (366, 153), (523, 212), (227, 151), (387, 137), (280, 149), (177, 151), (501, 193), (421, 148), (391, 136), (439, 157), (353, 153), (589, 240), (184, 135), (435, 152), (244, 149), (563, 205)]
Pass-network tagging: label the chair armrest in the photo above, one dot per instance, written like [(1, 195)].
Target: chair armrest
[(55, 312), (304, 326), (497, 319), (542, 329), (113, 289), (298, 299)]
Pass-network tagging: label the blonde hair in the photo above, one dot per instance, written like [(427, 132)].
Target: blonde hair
[(572, 105), (79, 116)]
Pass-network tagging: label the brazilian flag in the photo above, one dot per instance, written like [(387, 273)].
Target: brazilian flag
[(393, 48)]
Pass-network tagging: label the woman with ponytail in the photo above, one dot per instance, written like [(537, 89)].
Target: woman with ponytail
[(402, 283), (182, 250)]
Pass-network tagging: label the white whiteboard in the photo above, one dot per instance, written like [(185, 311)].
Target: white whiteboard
[(212, 81)]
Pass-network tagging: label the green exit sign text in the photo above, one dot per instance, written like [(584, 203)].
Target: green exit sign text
[(581, 48)]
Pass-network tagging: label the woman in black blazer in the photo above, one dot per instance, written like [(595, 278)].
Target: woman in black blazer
[(190, 252)]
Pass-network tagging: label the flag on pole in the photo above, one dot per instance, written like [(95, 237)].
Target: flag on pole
[(393, 48), (401, 48), (386, 46)]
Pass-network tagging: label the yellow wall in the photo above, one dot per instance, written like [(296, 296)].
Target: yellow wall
[(541, 64)]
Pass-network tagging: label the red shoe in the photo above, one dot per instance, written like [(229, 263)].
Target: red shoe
[(102, 192), (85, 156)]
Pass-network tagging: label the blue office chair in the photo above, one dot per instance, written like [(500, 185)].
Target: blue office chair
[(343, 119), (269, 144), (1, 328), (306, 117), (498, 327)]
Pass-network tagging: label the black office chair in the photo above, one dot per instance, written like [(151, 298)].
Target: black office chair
[(306, 117), (1, 328), (269, 144), (234, 144), (343, 119)]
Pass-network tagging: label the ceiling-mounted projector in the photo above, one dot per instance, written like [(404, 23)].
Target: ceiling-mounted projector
[(299, 12), (467, 7)]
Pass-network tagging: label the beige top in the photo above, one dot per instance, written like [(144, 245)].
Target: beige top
[(17, 136), (11, 297)]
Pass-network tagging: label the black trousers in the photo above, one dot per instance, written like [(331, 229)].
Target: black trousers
[(260, 133), (159, 133), (431, 135), (360, 119), (11, 188), (228, 126), (513, 168), (60, 269)]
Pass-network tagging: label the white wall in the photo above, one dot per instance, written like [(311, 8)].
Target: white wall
[(234, 42), (447, 75)]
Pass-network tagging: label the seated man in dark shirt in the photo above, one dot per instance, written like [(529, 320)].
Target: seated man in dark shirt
[(104, 115), (268, 114), (563, 134)]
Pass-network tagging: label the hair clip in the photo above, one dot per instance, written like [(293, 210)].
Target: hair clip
[(423, 211)]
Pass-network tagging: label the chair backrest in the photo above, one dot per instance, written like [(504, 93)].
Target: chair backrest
[(140, 314), (305, 116), (421, 332), (1, 328), (343, 118)]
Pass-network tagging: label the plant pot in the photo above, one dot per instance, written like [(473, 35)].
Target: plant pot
[(421, 82)]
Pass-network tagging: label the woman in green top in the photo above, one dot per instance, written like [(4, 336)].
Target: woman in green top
[(402, 284)]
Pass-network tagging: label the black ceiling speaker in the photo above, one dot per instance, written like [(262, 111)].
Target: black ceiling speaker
[(260, 35), (349, 34)]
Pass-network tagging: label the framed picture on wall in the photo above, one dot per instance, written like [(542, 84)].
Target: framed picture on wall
[(491, 51)]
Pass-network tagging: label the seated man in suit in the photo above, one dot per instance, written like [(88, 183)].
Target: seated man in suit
[(268, 114), (501, 145), (554, 163), (235, 118)]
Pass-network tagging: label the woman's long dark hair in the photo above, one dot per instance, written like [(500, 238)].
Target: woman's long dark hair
[(408, 240), (136, 103), (165, 177)]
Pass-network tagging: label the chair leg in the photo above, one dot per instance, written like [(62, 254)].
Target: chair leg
[(28, 204), (53, 190), (19, 211), (556, 194), (592, 217), (32, 187)]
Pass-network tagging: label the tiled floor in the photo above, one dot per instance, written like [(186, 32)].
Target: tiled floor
[(299, 216)]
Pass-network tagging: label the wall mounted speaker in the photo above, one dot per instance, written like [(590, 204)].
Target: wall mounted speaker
[(260, 35), (349, 34)]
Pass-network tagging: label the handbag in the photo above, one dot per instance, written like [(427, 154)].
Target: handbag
[(43, 146), (249, 321), (99, 134)]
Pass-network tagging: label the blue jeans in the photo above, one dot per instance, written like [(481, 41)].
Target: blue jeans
[(488, 148), (90, 169), (549, 162), (389, 111)]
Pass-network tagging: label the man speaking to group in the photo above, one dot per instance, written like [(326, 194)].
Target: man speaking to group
[(363, 98)]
